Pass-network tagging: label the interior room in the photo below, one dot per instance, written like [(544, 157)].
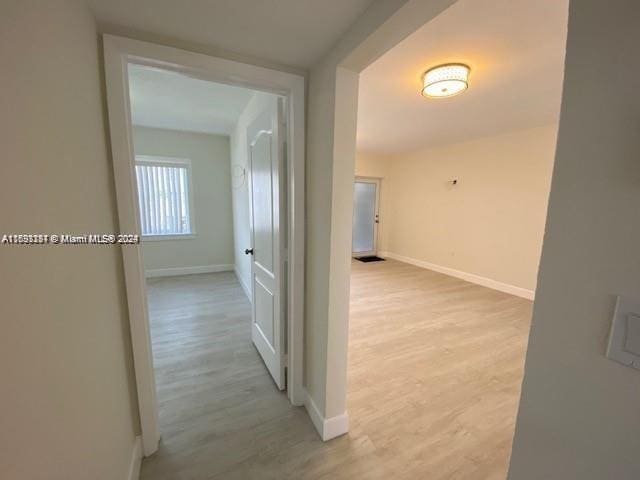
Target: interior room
[(451, 196), (406, 368), (194, 158)]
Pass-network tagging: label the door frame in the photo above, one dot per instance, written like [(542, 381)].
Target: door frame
[(118, 53), (376, 225)]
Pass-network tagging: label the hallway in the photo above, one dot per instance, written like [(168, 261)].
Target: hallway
[(221, 416)]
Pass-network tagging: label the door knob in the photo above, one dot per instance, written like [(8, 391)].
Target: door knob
[(248, 251)]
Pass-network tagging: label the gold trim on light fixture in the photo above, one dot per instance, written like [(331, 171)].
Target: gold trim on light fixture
[(445, 80)]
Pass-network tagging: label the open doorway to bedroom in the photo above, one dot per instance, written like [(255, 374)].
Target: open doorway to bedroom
[(211, 149), (209, 163), (450, 202)]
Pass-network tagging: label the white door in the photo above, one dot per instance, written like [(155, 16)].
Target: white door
[(268, 234), (366, 193)]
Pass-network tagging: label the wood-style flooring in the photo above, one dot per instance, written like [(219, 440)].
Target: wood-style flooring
[(435, 367)]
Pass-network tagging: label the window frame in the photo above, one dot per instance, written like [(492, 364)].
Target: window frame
[(164, 161)]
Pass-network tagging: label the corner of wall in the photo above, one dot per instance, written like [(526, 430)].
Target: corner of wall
[(327, 428)]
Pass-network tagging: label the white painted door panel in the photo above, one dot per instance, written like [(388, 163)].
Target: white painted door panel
[(266, 157)]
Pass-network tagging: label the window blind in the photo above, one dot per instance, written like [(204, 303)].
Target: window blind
[(163, 197)]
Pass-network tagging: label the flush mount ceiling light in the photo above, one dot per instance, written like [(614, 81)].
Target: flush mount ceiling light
[(446, 80)]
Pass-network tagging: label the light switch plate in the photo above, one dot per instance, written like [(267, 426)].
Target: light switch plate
[(624, 339)]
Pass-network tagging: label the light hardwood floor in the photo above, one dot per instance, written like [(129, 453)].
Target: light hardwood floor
[(435, 366)]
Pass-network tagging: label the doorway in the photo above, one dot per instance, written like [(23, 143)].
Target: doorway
[(438, 332), (366, 216), (276, 152), (212, 245)]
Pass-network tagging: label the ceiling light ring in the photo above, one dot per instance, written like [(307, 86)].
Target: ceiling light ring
[(445, 80)]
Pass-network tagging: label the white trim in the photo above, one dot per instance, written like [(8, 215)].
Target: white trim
[(335, 426), (176, 271), (136, 460), (243, 284), (173, 236), (469, 277), (119, 52), (328, 428), (163, 160)]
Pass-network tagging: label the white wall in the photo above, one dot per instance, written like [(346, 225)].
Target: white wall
[(490, 224), (68, 408), (240, 188), (372, 165), (212, 246), (579, 414)]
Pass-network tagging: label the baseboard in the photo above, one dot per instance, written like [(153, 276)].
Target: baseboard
[(136, 460), (469, 277), (175, 271), (328, 428), (243, 284)]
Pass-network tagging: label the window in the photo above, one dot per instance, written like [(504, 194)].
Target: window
[(164, 193)]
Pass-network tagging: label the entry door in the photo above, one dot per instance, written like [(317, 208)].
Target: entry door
[(266, 161), (366, 202)]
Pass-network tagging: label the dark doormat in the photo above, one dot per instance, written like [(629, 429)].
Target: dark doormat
[(370, 258)]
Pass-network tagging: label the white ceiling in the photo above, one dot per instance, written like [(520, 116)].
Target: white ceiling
[(515, 49), (165, 99), (291, 32)]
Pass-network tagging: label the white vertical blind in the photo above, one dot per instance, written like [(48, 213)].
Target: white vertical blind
[(163, 197)]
